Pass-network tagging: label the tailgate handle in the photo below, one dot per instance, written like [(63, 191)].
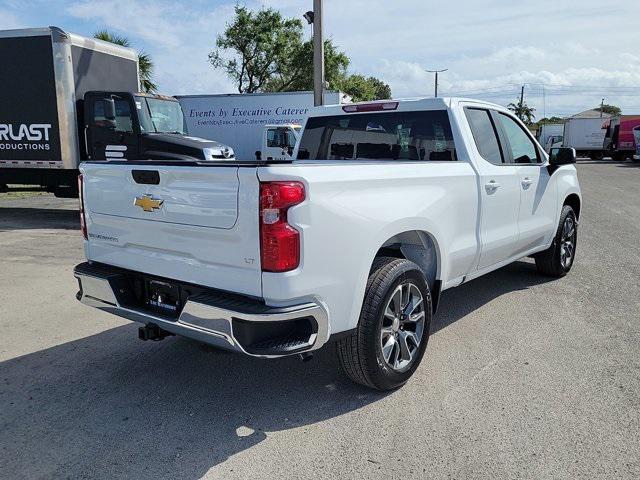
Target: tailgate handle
[(146, 177)]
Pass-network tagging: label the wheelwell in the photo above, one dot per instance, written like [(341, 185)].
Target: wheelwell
[(416, 246), (574, 202)]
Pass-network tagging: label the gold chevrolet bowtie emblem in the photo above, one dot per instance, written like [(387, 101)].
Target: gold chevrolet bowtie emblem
[(147, 203)]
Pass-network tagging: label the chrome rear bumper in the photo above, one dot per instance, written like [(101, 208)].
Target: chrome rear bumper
[(214, 318)]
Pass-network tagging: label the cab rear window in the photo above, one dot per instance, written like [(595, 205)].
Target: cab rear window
[(402, 136)]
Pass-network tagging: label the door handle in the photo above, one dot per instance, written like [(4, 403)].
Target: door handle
[(492, 186), (526, 182)]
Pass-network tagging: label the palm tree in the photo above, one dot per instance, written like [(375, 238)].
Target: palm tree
[(145, 64), (523, 111)]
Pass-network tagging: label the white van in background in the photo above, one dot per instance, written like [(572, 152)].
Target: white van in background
[(279, 142)]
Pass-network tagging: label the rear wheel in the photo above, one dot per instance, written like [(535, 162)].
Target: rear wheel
[(393, 331), (558, 259), (619, 156)]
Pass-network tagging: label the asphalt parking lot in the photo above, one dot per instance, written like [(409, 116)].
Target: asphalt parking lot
[(524, 377)]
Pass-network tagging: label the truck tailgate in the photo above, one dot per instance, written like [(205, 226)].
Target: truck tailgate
[(196, 224)]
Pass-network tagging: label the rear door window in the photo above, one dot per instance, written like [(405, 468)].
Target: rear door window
[(402, 136), (485, 135)]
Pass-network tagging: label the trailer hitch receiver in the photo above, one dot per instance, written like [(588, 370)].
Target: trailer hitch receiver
[(151, 331)]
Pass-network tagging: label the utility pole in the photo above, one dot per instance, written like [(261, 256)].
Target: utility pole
[(520, 114), (436, 79), (318, 55), (601, 107)]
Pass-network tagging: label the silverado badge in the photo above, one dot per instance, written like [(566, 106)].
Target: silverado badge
[(148, 203)]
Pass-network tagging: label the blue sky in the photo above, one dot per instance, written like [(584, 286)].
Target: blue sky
[(570, 54)]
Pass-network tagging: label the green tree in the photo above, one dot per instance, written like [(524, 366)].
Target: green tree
[(296, 74), (382, 91), (145, 63), (545, 120), (363, 89), (523, 111), (264, 45), (549, 120), (264, 52), (610, 109)]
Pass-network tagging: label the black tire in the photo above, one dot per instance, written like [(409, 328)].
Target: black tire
[(360, 353), (3, 188), (551, 262), (619, 156)]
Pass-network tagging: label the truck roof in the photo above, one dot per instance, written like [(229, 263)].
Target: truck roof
[(59, 35), (401, 104)]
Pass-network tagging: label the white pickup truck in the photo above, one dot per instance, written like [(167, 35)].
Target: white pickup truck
[(386, 206)]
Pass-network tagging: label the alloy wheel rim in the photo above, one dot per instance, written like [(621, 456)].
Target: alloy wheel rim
[(568, 242), (402, 327)]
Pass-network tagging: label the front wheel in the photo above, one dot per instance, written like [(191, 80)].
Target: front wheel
[(392, 334), (558, 259)]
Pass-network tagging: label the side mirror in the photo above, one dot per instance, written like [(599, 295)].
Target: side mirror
[(110, 113), (562, 156), (109, 108)]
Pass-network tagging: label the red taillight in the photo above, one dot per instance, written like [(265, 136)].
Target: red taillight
[(370, 107), (83, 220), (279, 241)]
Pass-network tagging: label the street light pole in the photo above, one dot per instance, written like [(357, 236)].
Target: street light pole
[(318, 55), (436, 79)]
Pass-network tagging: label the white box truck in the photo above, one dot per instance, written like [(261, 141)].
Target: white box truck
[(585, 135), (256, 125)]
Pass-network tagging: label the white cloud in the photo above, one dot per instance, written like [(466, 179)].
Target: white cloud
[(178, 38), (151, 21), (517, 54), (9, 21), (630, 58), (564, 91), (494, 45)]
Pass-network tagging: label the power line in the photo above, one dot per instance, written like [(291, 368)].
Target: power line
[(554, 89)]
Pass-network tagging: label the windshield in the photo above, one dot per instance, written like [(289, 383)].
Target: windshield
[(161, 116)]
